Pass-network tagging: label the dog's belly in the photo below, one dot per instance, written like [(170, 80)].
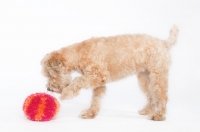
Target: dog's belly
[(118, 71)]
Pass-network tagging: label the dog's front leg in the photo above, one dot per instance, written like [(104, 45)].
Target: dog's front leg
[(95, 104), (72, 89), (84, 81)]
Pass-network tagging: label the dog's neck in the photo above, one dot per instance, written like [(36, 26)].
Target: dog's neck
[(71, 57)]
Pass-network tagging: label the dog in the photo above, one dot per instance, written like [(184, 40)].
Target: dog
[(100, 60)]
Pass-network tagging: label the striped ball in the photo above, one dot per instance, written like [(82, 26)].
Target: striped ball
[(41, 107)]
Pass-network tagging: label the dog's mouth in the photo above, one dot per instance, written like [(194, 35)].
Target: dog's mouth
[(57, 84), (54, 90)]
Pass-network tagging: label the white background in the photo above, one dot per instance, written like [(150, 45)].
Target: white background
[(31, 28)]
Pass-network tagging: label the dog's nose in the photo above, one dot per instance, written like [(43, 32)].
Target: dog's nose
[(48, 89)]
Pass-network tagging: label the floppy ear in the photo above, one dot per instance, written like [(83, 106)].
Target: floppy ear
[(57, 61)]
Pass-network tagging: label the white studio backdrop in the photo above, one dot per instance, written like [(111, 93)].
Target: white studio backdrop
[(31, 28)]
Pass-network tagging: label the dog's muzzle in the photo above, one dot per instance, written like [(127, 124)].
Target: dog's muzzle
[(48, 89)]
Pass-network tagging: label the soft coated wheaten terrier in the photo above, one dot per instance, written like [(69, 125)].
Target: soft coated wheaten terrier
[(106, 59)]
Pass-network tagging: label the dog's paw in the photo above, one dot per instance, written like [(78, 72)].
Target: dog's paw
[(144, 112), (62, 97), (88, 114), (66, 94), (157, 117)]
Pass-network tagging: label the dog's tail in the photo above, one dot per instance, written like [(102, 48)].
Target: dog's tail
[(173, 36)]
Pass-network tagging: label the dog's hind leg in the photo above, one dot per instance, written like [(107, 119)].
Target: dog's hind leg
[(144, 81), (158, 87), (95, 104)]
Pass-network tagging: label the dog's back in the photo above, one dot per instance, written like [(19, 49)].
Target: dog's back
[(124, 55)]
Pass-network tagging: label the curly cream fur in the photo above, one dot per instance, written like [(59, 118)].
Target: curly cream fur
[(106, 59)]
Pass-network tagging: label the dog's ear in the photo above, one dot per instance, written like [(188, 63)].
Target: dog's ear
[(57, 61)]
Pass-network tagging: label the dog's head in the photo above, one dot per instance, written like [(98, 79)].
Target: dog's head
[(54, 67)]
